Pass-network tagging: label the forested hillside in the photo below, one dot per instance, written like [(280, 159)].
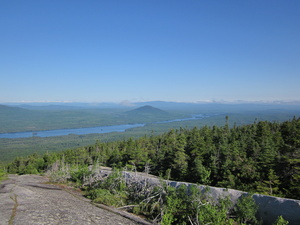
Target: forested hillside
[(263, 157)]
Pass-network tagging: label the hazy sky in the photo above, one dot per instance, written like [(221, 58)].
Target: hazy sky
[(195, 50)]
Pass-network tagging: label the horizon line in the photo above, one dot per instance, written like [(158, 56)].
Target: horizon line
[(128, 103)]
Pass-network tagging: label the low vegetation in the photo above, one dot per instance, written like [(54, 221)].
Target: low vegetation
[(158, 202), (3, 175)]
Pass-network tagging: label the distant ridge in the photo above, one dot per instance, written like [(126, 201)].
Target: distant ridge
[(147, 109), (11, 109)]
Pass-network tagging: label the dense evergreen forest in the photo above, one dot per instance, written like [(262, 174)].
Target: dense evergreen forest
[(263, 157)]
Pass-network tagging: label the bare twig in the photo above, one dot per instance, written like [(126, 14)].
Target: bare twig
[(127, 206)]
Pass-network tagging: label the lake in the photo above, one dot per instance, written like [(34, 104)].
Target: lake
[(90, 130)]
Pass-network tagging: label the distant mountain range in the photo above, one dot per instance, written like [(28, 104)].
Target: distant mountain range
[(200, 107)]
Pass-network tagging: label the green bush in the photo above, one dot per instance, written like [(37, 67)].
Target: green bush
[(104, 196), (281, 221), (110, 191), (214, 213), (3, 175), (184, 205), (246, 209), (114, 182), (78, 175)]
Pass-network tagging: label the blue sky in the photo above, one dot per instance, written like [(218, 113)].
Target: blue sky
[(111, 51)]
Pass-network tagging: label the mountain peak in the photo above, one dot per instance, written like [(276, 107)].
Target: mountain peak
[(147, 109)]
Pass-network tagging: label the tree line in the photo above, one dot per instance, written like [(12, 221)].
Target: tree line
[(262, 157)]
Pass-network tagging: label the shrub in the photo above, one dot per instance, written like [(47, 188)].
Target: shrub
[(104, 196), (246, 209), (281, 221), (3, 175), (78, 176)]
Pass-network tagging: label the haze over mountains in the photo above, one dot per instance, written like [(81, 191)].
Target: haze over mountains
[(164, 105)]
